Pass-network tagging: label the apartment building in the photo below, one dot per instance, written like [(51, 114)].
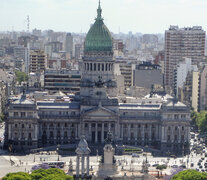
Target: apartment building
[(182, 42), (37, 61)]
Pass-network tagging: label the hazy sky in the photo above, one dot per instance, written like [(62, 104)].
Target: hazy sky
[(146, 16)]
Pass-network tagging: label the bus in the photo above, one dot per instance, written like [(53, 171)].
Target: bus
[(55, 164)]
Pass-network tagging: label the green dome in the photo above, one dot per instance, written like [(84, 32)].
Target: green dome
[(98, 38)]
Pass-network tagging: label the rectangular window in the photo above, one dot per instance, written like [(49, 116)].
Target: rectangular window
[(23, 114), (99, 67), (176, 116), (16, 114)]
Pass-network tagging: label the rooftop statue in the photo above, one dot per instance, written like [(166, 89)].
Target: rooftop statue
[(99, 83)]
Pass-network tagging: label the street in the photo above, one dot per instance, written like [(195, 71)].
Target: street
[(15, 163)]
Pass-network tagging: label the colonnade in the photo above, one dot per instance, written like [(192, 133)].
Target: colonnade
[(84, 167)]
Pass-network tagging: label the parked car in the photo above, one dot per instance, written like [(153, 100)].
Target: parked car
[(174, 166), (135, 155)]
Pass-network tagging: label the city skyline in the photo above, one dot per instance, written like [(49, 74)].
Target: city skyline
[(149, 16)]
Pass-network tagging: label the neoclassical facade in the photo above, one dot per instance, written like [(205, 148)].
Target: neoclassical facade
[(158, 120)]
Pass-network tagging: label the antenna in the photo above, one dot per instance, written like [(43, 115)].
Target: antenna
[(28, 23)]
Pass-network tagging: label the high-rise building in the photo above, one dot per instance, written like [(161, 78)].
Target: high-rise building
[(69, 44), (37, 61), (78, 51), (21, 52), (179, 43)]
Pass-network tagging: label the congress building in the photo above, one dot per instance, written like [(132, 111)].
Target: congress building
[(157, 120)]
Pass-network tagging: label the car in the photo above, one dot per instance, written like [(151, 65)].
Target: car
[(183, 166), (155, 165), (199, 163), (202, 170), (174, 166), (202, 158), (135, 155), (201, 167), (192, 164)]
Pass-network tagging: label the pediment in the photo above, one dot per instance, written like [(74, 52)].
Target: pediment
[(99, 111)]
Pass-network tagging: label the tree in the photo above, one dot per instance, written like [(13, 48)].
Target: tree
[(17, 176), (190, 175), (21, 76), (199, 120), (161, 167), (49, 174), (2, 117), (40, 174)]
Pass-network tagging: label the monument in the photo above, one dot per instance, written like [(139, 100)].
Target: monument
[(107, 167), (82, 152)]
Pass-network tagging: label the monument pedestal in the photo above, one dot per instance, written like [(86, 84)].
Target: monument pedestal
[(107, 170)]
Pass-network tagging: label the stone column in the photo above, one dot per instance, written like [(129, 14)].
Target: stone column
[(96, 134), (122, 131), (172, 133), (76, 131), (150, 132), (9, 130), (142, 133), (116, 131), (87, 168), (55, 131), (89, 132), (48, 131), (77, 165), (79, 130), (136, 133), (62, 131), (83, 166), (128, 132), (102, 133), (163, 134), (179, 134), (36, 132)]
